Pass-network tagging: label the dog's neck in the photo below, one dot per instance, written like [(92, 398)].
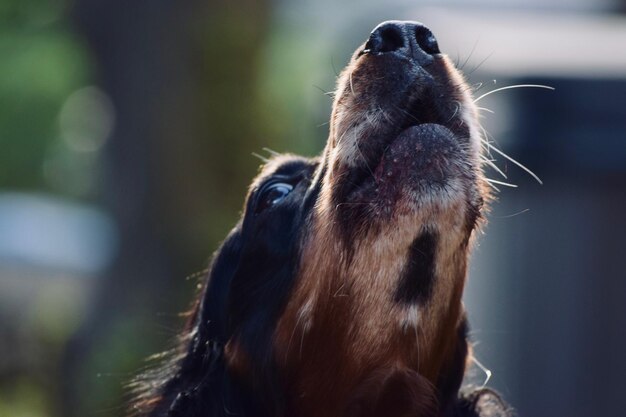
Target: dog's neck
[(382, 309)]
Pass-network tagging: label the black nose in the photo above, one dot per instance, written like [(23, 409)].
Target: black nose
[(410, 38)]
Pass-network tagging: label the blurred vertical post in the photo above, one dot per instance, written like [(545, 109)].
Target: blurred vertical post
[(181, 76)]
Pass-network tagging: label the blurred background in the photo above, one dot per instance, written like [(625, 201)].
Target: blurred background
[(126, 137)]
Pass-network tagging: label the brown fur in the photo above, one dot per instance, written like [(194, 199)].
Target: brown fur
[(341, 324)]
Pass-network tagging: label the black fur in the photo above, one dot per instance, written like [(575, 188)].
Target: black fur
[(416, 283), (248, 284)]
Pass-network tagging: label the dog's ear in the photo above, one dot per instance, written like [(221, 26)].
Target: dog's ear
[(477, 402), (453, 370), (196, 381)]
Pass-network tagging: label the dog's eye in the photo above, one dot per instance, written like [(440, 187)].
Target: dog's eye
[(272, 194)]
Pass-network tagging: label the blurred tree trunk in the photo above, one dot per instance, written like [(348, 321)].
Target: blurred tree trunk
[(181, 76)]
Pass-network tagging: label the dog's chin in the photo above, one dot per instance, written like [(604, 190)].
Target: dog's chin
[(424, 164)]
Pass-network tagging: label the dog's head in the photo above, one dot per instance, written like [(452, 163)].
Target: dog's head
[(339, 291)]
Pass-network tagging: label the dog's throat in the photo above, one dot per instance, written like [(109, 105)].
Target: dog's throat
[(385, 311)]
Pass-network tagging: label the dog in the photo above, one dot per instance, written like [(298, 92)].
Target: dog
[(338, 293)]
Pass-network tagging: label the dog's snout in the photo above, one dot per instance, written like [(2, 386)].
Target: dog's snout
[(386, 38), (411, 39), (425, 39)]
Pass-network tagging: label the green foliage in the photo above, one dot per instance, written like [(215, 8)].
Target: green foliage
[(23, 398), (242, 87), (296, 80), (42, 63)]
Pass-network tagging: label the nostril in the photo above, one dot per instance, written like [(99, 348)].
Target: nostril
[(387, 38), (426, 40)]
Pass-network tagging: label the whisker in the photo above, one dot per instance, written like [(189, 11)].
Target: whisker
[(484, 369), (326, 93), (406, 113), (271, 151), (510, 87), (261, 157), (477, 86), (513, 215), (385, 115), (457, 59), (457, 107), (293, 332), (358, 148), (519, 164), (367, 203), (506, 184), (342, 135), (484, 142), (332, 64), (469, 56), (493, 166), (350, 79), (480, 64), (493, 186)]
